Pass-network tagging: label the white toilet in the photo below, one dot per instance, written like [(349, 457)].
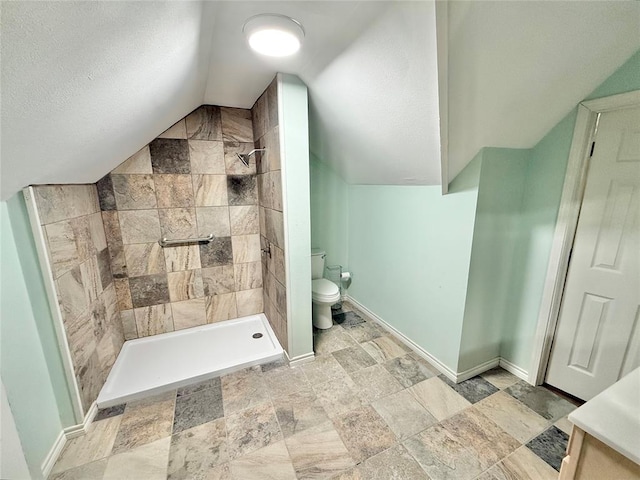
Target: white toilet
[(324, 293)]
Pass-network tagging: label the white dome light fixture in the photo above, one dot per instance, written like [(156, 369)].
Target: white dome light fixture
[(273, 34)]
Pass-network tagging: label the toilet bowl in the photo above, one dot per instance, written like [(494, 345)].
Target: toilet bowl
[(324, 293)]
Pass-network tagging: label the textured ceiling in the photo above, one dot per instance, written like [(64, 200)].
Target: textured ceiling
[(86, 84)]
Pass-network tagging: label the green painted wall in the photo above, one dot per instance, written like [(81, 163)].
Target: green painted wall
[(541, 201), (625, 79), (329, 213), (409, 252), (28, 257), (23, 364), (294, 140), (494, 274)]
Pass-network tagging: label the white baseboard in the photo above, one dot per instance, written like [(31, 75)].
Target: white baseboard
[(78, 430), (300, 359), (450, 374), (477, 370), (52, 457), (67, 434), (514, 369)]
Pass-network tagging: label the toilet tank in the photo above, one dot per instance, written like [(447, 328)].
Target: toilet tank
[(317, 263)]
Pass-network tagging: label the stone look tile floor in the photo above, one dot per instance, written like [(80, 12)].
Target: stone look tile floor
[(368, 408)]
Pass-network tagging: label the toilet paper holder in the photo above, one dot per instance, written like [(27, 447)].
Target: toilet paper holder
[(337, 275)]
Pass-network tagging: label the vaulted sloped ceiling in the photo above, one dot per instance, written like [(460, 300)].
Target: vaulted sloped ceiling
[(86, 84), (517, 68)]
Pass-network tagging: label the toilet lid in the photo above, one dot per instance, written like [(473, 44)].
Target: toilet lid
[(323, 287)]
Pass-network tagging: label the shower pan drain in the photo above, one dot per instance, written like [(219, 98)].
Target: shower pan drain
[(257, 335)]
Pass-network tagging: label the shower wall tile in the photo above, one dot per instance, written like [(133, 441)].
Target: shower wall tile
[(270, 211), (97, 232), (139, 226), (213, 220), (244, 220), (90, 379), (169, 156), (206, 157), (210, 190), (221, 307), (242, 190), (178, 223), (185, 285), (218, 280), (144, 259), (262, 218), (174, 191), (182, 257), (275, 189), (274, 225), (71, 294), (280, 297), (272, 105), (153, 320), (262, 158), (190, 313), (134, 192), (264, 192), (123, 294), (106, 356), (98, 314), (82, 342), (246, 248), (104, 268), (90, 279), (272, 144), (260, 116), (236, 125), (177, 130), (129, 324), (139, 162), (106, 197), (115, 245), (63, 202), (249, 302), (149, 290), (217, 252), (63, 250), (276, 264), (248, 275), (110, 300), (204, 123), (233, 165), (77, 244)]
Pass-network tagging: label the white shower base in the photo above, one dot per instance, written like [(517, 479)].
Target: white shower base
[(152, 365)]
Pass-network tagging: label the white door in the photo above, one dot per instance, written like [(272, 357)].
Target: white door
[(597, 338)]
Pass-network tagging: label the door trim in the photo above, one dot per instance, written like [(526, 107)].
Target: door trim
[(564, 234)]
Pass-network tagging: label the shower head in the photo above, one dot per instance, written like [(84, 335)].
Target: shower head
[(244, 157)]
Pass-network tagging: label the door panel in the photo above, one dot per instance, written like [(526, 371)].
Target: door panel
[(596, 339)]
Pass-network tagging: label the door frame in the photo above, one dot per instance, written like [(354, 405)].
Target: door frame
[(567, 223)]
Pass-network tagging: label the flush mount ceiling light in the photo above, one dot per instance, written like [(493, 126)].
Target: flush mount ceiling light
[(273, 34)]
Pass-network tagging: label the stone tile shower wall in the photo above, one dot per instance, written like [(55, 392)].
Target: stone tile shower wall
[(186, 183), (77, 251), (266, 135)]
